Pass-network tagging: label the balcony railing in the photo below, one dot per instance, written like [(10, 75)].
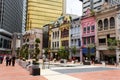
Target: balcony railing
[(101, 44), (112, 27), (105, 28)]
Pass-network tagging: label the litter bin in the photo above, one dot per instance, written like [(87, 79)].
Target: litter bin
[(34, 70)]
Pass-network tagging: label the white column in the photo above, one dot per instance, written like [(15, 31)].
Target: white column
[(70, 55), (97, 56), (81, 56), (117, 55)]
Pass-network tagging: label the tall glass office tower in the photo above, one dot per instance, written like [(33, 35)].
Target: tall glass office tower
[(11, 20)]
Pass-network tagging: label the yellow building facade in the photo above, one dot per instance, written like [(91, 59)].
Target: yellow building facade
[(41, 12)]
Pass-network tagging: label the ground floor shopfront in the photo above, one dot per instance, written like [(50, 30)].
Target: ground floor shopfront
[(54, 54), (88, 53), (109, 56)]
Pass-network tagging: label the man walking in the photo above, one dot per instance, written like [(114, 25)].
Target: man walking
[(7, 60), (13, 61)]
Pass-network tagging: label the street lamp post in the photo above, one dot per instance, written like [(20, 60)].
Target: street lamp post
[(43, 59), (49, 59)]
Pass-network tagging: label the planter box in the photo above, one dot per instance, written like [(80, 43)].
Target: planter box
[(35, 70)]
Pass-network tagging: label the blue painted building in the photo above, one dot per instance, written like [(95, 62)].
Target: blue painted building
[(75, 37)]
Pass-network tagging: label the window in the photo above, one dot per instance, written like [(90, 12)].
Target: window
[(105, 24), (58, 44), (88, 40), (112, 22), (75, 42), (9, 44), (27, 39), (106, 0), (53, 34), (55, 44), (65, 43), (72, 42), (92, 28), (64, 33), (84, 41), (52, 44), (102, 41), (97, 2), (5, 43), (58, 34), (93, 39), (86, 6), (86, 2), (88, 29), (1, 42), (79, 43), (100, 25), (84, 30)]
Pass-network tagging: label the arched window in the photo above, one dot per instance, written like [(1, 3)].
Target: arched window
[(55, 34), (106, 24), (112, 22), (100, 25)]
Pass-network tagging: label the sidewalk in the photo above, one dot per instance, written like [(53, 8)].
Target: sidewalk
[(16, 73), (52, 75), (19, 73)]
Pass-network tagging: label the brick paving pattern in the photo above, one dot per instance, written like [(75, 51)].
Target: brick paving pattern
[(76, 73), (101, 75), (16, 73)]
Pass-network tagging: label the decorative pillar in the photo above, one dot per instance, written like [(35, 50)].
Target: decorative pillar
[(97, 55), (70, 55), (117, 55), (81, 56)]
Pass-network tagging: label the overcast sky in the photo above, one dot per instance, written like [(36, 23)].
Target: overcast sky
[(74, 7)]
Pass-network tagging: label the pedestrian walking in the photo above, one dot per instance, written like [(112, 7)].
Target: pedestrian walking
[(2, 57), (10, 58), (7, 60), (13, 61)]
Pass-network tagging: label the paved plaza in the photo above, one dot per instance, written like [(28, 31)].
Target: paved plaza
[(16, 73), (91, 72)]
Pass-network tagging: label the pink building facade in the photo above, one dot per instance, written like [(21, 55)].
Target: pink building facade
[(88, 36), (88, 30)]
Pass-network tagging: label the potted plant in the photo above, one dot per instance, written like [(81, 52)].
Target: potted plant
[(35, 70)]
